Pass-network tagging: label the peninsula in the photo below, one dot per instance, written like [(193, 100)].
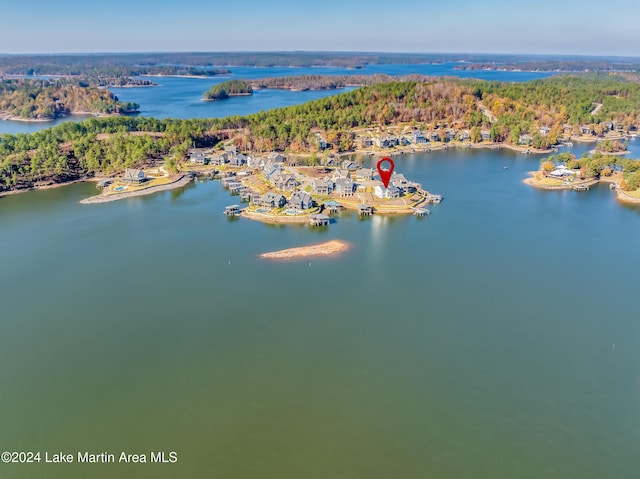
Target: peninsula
[(386, 118), (40, 100)]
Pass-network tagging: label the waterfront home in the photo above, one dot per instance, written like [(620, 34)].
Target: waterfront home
[(276, 158), (390, 192), (563, 172), (365, 173), (301, 200), (344, 186), (284, 182), (349, 165), (567, 128), (270, 169), (545, 130), (255, 162), (272, 200), (464, 135), (231, 150), (238, 160), (399, 181), (525, 140), (132, 175), (485, 135), (610, 125), (220, 160), (199, 158), (585, 129), (418, 138), (434, 136), (322, 186), (450, 134)]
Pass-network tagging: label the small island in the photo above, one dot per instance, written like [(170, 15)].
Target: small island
[(228, 89), (323, 249)]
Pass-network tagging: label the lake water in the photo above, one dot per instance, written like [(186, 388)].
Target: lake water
[(182, 97), (497, 338)]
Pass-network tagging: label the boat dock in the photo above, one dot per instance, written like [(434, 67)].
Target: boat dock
[(365, 210), (581, 187), (319, 220), (420, 212), (233, 210)]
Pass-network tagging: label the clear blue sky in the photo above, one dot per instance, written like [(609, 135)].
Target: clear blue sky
[(585, 27)]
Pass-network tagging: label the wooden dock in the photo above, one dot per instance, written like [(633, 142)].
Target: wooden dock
[(365, 210), (319, 220), (232, 210), (420, 212), (581, 187)]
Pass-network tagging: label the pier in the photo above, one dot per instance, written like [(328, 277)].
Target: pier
[(433, 198), (420, 212), (365, 210), (581, 187), (319, 220), (233, 210)]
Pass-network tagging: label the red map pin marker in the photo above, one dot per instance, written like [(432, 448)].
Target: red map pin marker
[(385, 173)]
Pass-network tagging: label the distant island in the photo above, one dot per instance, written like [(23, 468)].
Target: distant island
[(228, 89), (331, 82), (38, 100), (324, 249)]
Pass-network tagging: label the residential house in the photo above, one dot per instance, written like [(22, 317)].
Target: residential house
[(390, 192), (525, 140), (276, 158), (238, 160), (544, 130), (132, 175), (485, 135), (284, 181), (255, 162), (434, 136), (464, 135), (366, 142), (349, 165), (301, 200), (399, 181), (365, 173), (418, 138), (231, 150), (585, 129), (199, 158), (220, 160), (340, 173), (321, 186), (270, 169), (273, 200), (344, 186), (450, 134)]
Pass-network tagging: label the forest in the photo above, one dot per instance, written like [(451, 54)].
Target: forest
[(228, 88), (506, 110), (48, 99)]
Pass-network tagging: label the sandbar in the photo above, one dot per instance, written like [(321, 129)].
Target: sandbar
[(328, 248)]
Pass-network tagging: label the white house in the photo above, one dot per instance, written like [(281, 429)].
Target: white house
[(382, 192)]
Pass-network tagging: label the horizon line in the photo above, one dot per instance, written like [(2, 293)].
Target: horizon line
[(291, 52)]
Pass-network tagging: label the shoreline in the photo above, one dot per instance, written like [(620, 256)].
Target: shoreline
[(102, 198), (6, 117)]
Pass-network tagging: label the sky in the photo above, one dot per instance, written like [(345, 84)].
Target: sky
[(580, 27)]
